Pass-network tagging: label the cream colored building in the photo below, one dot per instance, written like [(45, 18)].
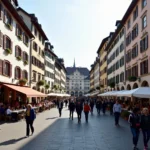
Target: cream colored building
[(37, 50)]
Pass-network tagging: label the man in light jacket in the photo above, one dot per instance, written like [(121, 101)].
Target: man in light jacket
[(117, 110)]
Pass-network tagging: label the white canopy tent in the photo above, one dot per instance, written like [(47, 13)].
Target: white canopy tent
[(142, 92), (58, 94), (107, 93), (94, 93), (86, 95)]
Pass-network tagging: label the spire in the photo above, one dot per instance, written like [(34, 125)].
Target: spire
[(74, 65)]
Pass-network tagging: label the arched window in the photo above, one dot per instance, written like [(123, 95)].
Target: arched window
[(25, 74), (7, 43), (25, 56), (18, 73), (5, 68), (18, 51)]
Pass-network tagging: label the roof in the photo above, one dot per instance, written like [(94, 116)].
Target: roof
[(26, 90), (17, 17), (83, 71), (34, 20), (124, 19), (102, 44), (87, 78)]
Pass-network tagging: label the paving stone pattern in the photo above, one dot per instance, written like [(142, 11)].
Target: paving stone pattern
[(54, 133)]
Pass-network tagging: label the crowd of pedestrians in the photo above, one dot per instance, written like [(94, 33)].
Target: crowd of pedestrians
[(138, 120)]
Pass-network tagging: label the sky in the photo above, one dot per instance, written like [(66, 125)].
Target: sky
[(77, 27)]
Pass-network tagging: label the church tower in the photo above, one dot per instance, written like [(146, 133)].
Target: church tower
[(74, 65)]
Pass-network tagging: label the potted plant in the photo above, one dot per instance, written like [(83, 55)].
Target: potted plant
[(47, 86), (20, 37), (132, 78), (112, 84), (22, 82), (8, 26), (8, 51), (19, 58), (41, 83), (25, 62)]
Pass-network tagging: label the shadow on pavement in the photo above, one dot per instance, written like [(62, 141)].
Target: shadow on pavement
[(13, 141), (51, 118)]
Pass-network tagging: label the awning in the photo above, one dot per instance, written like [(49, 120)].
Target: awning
[(94, 93), (110, 93), (58, 95), (26, 90)]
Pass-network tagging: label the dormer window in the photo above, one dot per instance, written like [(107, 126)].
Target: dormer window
[(26, 40), (18, 32), (35, 31), (8, 20)]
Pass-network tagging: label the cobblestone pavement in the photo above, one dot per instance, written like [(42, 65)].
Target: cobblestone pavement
[(54, 133)]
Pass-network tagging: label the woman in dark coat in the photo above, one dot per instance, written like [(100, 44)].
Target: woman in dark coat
[(79, 108), (30, 116)]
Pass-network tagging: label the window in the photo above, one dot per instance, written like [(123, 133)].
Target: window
[(135, 13), (35, 31), (135, 71), (144, 22), (6, 68), (42, 53), (135, 51), (18, 51), (17, 73), (144, 44), (43, 41), (34, 76), (117, 65), (25, 75), (128, 24), (128, 73), (39, 77), (122, 61), (122, 77), (135, 32), (128, 39), (18, 31), (35, 47), (7, 19), (26, 40), (121, 47), (39, 50), (25, 56), (144, 3), (117, 79), (40, 38), (117, 52), (144, 67), (128, 57)]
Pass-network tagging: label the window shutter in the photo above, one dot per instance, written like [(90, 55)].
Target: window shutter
[(15, 73), (24, 56), (1, 12), (137, 30), (141, 46), (16, 30), (27, 57), (16, 51), (146, 44), (1, 39), (4, 40), (141, 68), (10, 71), (32, 60), (1, 66), (5, 16), (11, 46), (21, 54), (137, 50), (12, 23), (20, 75)]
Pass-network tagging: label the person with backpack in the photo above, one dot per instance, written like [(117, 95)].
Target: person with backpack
[(145, 126), (71, 108), (30, 117), (134, 120), (91, 105), (86, 110)]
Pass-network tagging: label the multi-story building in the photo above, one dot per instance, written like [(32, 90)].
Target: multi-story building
[(96, 74), (78, 81), (14, 49), (50, 58), (102, 52), (37, 50), (116, 59), (92, 78), (137, 27)]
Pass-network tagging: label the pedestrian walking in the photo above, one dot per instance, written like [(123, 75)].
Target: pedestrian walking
[(60, 107), (92, 105), (134, 120), (71, 108), (104, 105), (117, 110), (30, 117), (98, 106), (86, 110), (145, 126), (79, 108)]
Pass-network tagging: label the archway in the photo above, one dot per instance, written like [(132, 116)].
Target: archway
[(122, 88), (118, 89), (144, 84), (135, 85), (72, 93), (128, 87), (80, 94)]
